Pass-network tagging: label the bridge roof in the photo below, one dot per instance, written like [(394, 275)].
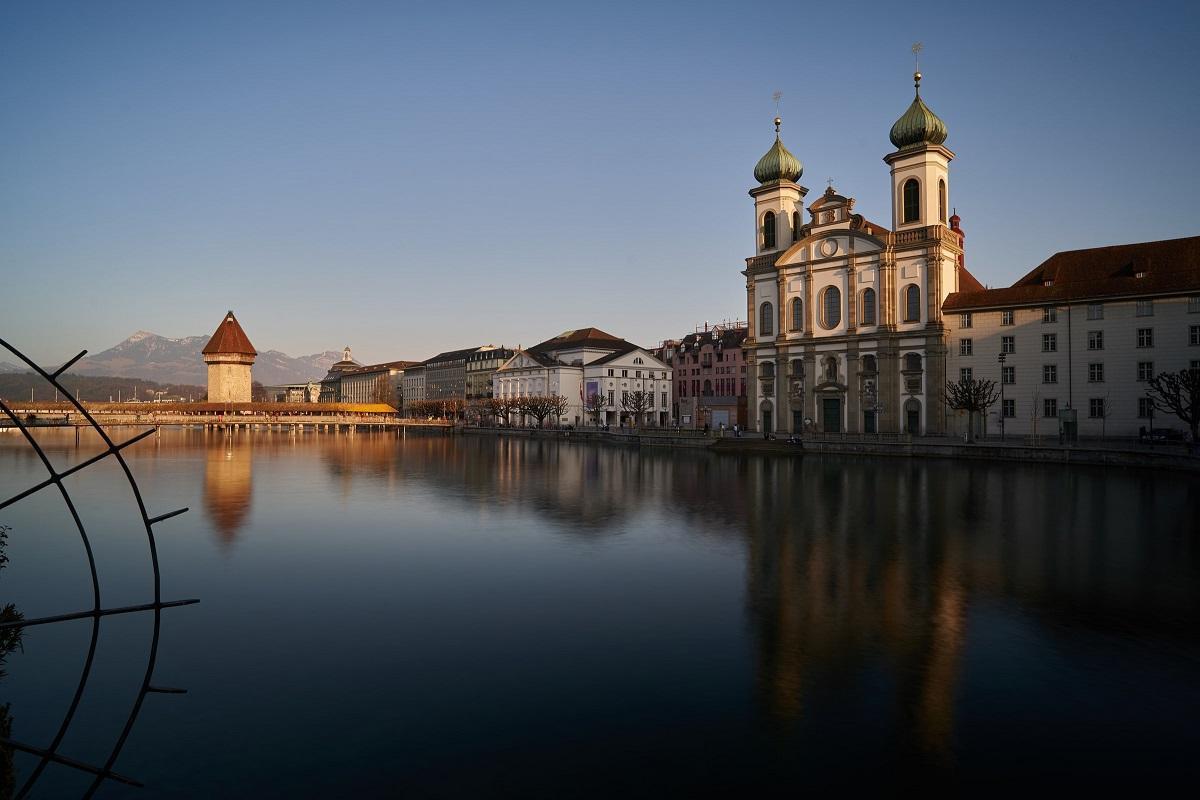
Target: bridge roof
[(229, 338)]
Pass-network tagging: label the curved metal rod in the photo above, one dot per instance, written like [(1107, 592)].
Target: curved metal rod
[(133, 713), (47, 757), (147, 522), (54, 476), (137, 494)]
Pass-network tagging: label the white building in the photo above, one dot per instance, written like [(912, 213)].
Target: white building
[(376, 383), (1083, 331), (581, 363), (846, 330)]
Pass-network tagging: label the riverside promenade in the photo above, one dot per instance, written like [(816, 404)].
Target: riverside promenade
[(1045, 450)]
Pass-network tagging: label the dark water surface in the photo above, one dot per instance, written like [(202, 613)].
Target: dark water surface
[(463, 617)]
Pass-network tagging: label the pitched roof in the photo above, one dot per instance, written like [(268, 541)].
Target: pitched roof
[(384, 367), (1127, 270), (581, 337), (450, 355), (229, 338), (726, 337), (624, 351)]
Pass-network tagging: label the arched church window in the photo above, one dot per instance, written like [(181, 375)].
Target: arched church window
[(912, 362), (868, 307), (942, 201), (768, 231), (912, 200), (766, 370), (795, 226), (766, 316), (797, 314), (831, 307), (798, 368), (868, 365), (912, 303)]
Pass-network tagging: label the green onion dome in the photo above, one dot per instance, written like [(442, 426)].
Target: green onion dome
[(919, 125), (778, 164)]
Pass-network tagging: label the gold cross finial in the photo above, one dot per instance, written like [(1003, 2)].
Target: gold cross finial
[(777, 96), (916, 51)]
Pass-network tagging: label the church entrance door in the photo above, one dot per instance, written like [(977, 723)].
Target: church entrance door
[(832, 414)]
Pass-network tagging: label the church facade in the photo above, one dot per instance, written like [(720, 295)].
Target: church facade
[(845, 315)]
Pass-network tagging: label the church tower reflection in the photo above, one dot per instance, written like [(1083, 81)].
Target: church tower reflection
[(227, 485)]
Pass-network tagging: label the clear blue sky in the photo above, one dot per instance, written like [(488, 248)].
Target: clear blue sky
[(407, 178)]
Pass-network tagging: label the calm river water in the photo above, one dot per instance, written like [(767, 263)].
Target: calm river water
[(470, 617)]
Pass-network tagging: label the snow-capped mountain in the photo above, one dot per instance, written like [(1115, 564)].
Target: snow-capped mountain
[(152, 357)]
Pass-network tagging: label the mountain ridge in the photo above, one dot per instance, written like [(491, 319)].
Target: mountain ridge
[(149, 356)]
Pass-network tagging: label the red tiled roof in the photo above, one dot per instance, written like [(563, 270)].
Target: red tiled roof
[(968, 282), (229, 338), (1167, 267), (582, 337)]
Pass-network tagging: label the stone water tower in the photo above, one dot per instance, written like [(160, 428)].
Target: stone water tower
[(229, 356)]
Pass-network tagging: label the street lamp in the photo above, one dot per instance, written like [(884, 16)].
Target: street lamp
[(1001, 358)]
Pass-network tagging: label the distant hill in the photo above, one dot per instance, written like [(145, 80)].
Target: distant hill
[(6, 367), (26, 386), (152, 357)]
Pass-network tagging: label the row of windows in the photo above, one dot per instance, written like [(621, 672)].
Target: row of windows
[(722, 387), (637, 374), (1095, 311), (831, 309), (1095, 341), (1008, 374), (1098, 408)]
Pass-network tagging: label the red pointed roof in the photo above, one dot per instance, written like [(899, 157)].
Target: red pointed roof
[(229, 338)]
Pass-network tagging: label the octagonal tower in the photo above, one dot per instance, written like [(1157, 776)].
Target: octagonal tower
[(229, 356)]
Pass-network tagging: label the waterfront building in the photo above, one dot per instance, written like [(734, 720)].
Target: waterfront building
[(845, 315), (710, 377), (375, 383), (1080, 335), (412, 384), (446, 373), (229, 356), (586, 362), (309, 392), (481, 365), (331, 384)]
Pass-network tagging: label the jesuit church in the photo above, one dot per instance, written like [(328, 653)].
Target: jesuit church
[(845, 315)]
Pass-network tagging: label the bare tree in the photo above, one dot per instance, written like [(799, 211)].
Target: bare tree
[(541, 406), (973, 395), (505, 408), (384, 392), (595, 405), (478, 411), (1178, 393), (637, 404)]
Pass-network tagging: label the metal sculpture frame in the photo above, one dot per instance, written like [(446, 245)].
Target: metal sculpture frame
[(49, 754)]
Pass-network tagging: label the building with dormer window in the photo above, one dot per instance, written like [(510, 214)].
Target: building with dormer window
[(845, 317)]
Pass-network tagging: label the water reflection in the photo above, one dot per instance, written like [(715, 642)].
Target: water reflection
[(801, 617), (228, 466)]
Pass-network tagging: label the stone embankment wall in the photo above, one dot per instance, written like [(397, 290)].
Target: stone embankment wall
[(1173, 457)]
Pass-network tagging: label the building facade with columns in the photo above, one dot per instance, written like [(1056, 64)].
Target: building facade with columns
[(586, 362), (845, 315)]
